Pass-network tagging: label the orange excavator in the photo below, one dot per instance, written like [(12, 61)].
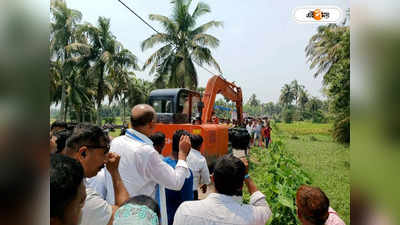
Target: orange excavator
[(181, 108)]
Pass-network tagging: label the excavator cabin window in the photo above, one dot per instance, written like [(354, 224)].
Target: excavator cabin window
[(188, 106), (163, 105), (175, 105)]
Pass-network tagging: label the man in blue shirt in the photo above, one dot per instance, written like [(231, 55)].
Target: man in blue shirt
[(175, 198)]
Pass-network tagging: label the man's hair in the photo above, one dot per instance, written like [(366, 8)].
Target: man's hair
[(146, 201), (66, 175), (240, 138), (158, 138), (85, 134), (62, 137), (196, 141), (229, 175), (143, 119), (176, 138), (312, 204), (211, 165), (59, 123)]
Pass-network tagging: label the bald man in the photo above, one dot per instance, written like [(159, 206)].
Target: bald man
[(140, 167)]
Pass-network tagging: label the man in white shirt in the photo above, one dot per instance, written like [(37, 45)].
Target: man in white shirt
[(98, 183), (198, 164), (90, 146), (141, 167), (221, 208)]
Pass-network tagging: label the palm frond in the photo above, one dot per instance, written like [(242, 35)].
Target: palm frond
[(154, 39), (201, 9), (205, 40), (168, 24), (80, 48), (203, 28)]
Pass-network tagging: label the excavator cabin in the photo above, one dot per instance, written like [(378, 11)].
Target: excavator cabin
[(176, 106), (181, 108)]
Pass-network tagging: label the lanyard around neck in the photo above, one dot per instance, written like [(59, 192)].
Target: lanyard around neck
[(134, 136)]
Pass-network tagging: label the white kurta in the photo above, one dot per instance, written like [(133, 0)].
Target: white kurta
[(141, 168), (198, 164), (95, 210), (219, 209)]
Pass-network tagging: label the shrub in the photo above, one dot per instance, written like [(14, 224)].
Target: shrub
[(278, 176), (287, 115), (312, 138), (318, 117), (306, 115), (109, 120), (341, 129)]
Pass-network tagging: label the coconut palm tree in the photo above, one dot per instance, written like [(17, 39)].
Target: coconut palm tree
[(108, 58), (326, 47), (296, 89), (55, 79), (303, 99), (287, 96), (253, 101), (329, 52), (121, 86), (78, 89), (183, 45), (62, 28)]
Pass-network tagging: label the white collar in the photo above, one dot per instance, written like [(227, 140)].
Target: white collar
[(141, 136), (195, 150), (222, 197)]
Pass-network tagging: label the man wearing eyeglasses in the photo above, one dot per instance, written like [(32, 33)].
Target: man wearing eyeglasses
[(90, 146)]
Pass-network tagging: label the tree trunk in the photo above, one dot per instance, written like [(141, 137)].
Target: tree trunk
[(98, 113), (65, 111), (63, 96), (123, 114), (100, 94)]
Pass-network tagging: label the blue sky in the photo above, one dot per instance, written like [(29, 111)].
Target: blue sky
[(261, 46)]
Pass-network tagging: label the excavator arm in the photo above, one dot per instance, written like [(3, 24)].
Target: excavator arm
[(218, 85)]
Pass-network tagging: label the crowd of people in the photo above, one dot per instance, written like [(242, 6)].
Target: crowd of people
[(260, 132), (127, 181)]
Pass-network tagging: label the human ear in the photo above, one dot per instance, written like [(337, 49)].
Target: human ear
[(82, 152)]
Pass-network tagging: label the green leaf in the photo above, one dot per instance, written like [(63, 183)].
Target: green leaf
[(286, 201)]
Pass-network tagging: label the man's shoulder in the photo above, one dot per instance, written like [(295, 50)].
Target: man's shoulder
[(170, 161), (95, 201), (190, 207), (95, 210), (123, 142), (197, 154), (91, 194)]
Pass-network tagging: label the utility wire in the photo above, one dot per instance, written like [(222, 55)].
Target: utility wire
[(144, 21)]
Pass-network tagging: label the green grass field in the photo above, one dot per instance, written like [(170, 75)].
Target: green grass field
[(327, 162)]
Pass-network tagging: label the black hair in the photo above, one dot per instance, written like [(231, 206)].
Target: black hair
[(146, 201), (58, 123), (211, 164), (143, 119), (85, 134), (176, 138), (239, 137), (66, 175), (229, 175), (197, 141), (62, 137), (158, 138), (123, 131)]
